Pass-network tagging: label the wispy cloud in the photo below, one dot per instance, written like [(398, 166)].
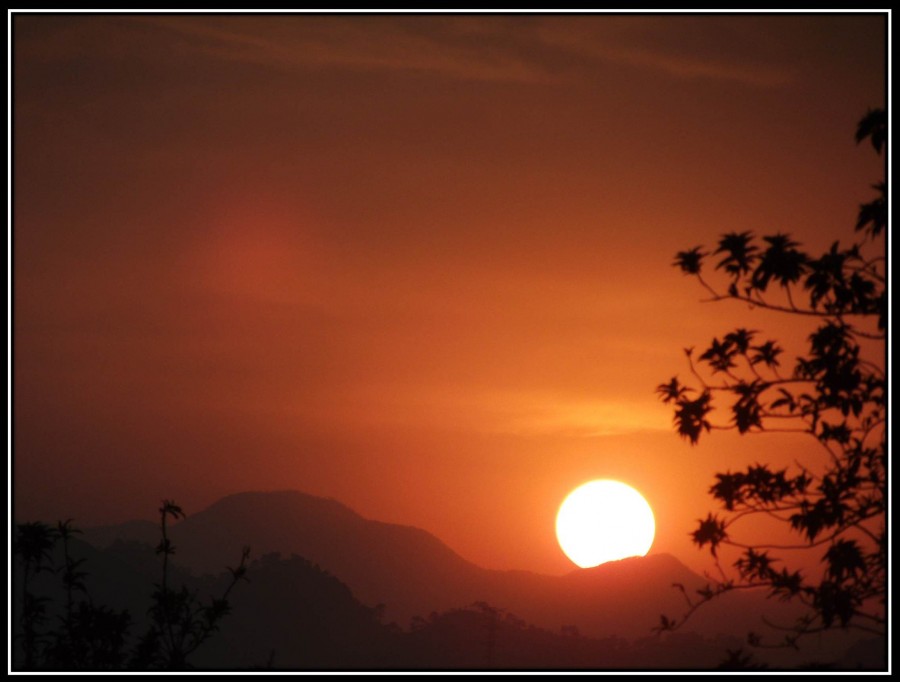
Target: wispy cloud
[(530, 48), (366, 43), (548, 414), (679, 46), (526, 413), (692, 68)]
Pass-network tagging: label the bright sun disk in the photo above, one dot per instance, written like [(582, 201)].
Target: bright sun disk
[(604, 521)]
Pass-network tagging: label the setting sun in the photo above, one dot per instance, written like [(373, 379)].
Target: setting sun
[(391, 297), (603, 521)]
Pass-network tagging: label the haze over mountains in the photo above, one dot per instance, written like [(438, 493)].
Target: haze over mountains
[(410, 577)]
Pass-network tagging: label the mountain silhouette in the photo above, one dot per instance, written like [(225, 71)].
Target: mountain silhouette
[(291, 614), (329, 590), (408, 573)]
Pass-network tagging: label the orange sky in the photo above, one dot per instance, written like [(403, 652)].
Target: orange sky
[(420, 264)]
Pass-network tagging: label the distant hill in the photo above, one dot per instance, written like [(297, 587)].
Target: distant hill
[(412, 573), (291, 614), (146, 532), (405, 568)]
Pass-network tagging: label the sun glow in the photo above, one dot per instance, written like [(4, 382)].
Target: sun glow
[(604, 521)]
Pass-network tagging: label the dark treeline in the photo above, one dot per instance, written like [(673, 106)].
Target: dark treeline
[(288, 613)]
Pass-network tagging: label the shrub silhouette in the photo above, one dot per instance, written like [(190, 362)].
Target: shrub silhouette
[(833, 394), (94, 637)]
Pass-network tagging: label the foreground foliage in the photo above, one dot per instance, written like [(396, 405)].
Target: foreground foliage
[(82, 635), (835, 393)]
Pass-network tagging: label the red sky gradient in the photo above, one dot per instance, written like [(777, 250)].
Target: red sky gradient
[(420, 264)]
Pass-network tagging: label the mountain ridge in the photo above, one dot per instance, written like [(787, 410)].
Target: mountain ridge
[(413, 573)]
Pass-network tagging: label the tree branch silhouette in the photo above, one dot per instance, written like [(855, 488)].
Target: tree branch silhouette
[(836, 396)]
